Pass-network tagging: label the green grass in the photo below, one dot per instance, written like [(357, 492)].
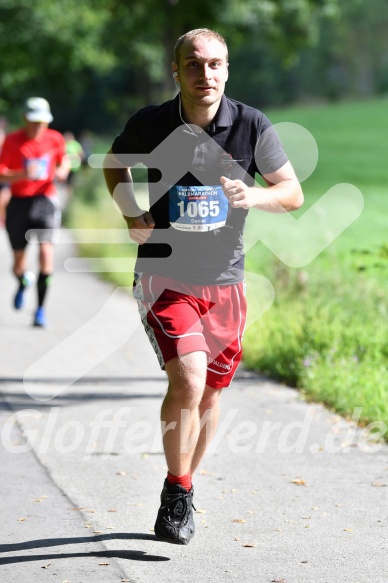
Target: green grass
[(326, 332), (351, 138)]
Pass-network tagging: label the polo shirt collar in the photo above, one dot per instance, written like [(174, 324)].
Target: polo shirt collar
[(222, 119)]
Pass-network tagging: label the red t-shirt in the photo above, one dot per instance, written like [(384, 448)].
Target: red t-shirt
[(44, 154)]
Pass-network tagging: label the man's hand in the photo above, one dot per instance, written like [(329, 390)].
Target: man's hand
[(62, 171), (282, 195), (239, 194), (140, 228)]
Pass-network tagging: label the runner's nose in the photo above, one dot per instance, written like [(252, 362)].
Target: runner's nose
[(206, 72)]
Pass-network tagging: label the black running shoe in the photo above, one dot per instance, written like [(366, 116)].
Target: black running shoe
[(175, 521)]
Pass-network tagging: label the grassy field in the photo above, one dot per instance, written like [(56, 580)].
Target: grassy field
[(326, 331)]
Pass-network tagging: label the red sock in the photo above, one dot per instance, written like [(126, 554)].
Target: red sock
[(184, 481)]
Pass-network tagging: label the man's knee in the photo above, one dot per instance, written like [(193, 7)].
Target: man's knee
[(210, 398), (46, 249), (187, 378), (188, 390)]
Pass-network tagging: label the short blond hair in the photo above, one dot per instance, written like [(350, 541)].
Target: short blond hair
[(198, 33)]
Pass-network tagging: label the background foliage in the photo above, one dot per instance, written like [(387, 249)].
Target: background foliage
[(99, 60)]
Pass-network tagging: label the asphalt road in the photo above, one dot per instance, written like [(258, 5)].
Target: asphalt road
[(289, 492)]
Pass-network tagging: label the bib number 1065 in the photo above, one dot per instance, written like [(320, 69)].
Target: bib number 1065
[(202, 209)]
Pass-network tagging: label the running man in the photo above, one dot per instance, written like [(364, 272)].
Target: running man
[(31, 159), (202, 151)]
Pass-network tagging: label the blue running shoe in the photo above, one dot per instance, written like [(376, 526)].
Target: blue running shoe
[(40, 318), (20, 298)]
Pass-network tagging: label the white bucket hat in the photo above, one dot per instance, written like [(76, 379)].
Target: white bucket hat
[(38, 109)]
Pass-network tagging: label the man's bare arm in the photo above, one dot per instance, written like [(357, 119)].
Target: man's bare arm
[(11, 176), (120, 185), (284, 192)]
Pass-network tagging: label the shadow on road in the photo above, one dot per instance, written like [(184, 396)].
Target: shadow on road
[(102, 389), (51, 542)]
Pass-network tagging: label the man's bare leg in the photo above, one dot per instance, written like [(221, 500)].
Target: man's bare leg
[(181, 429), (209, 414), (188, 399), (180, 410), (19, 262), (46, 257)]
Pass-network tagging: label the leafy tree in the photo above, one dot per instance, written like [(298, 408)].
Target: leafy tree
[(351, 58), (98, 60), (360, 45), (147, 42), (45, 45)]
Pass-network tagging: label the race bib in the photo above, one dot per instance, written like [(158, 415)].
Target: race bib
[(38, 168), (197, 208)]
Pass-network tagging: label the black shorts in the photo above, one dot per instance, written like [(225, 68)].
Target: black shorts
[(39, 214)]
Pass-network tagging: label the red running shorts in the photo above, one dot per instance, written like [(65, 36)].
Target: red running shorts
[(180, 318)]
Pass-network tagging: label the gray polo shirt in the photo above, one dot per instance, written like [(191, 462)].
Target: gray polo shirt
[(198, 236)]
